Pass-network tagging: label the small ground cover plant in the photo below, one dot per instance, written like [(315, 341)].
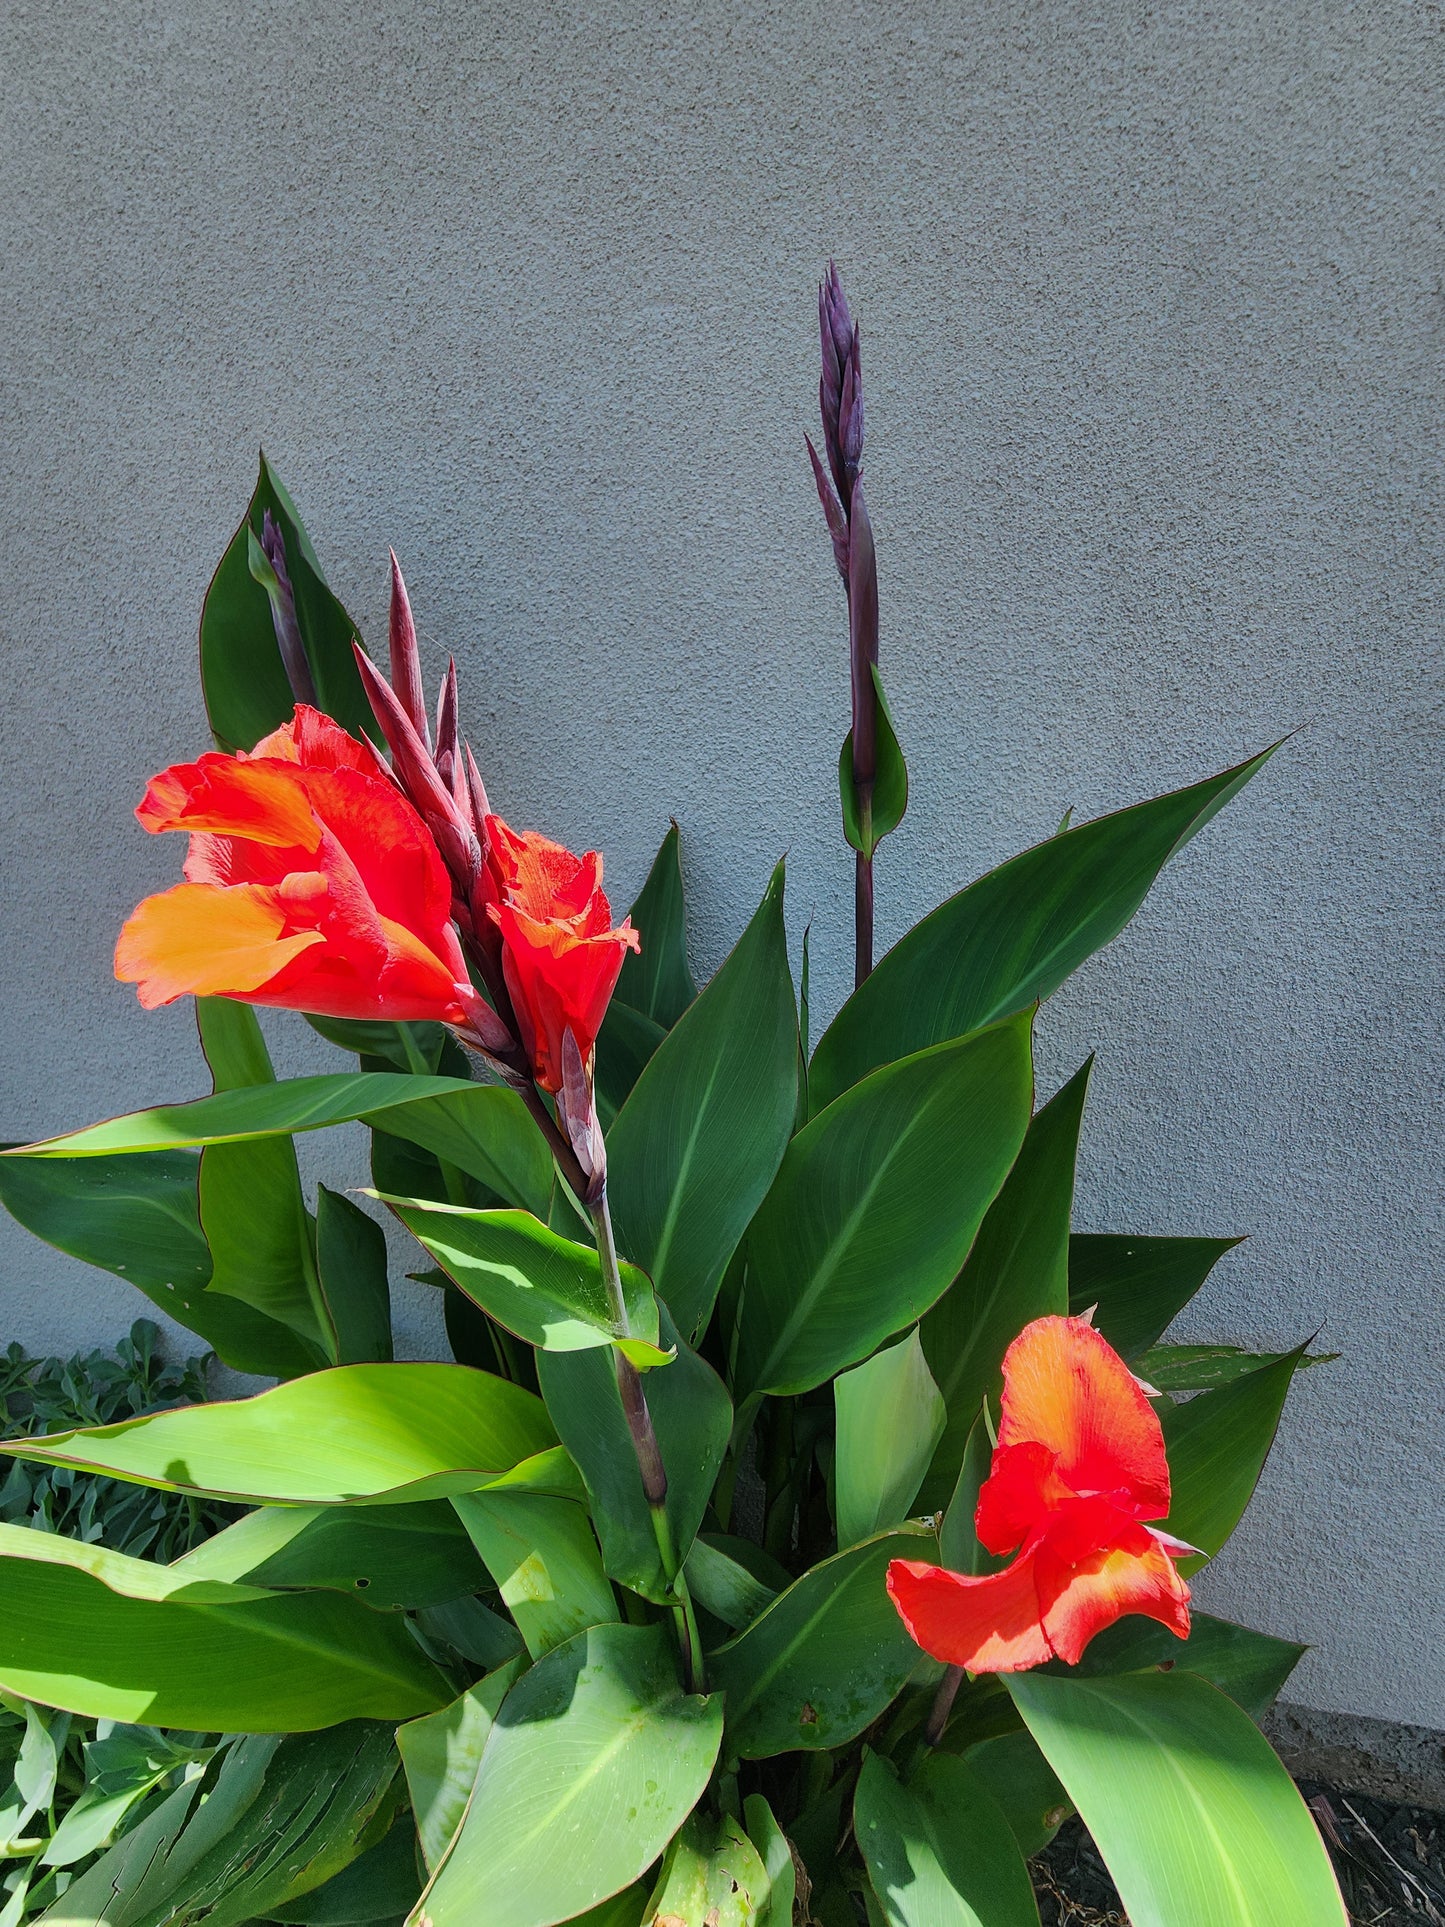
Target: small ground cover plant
[(804, 1528)]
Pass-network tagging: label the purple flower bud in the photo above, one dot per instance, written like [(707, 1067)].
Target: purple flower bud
[(283, 614), (405, 656), (833, 511)]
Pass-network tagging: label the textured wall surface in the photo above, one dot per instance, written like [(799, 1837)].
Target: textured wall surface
[(1151, 308)]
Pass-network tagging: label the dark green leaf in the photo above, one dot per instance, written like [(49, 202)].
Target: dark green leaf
[(1251, 1667), (351, 1262), (596, 1746), (889, 1417), (656, 980), (1139, 1285), (692, 1416), (1199, 1823), (1026, 1787), (1203, 1368), (876, 1204), (1017, 1271), (890, 786), (441, 1753), (695, 1147), (822, 1662), (777, 1857), (958, 1545), (1014, 936), (406, 1047), (724, 1587), (939, 1851), (1217, 1444), (381, 1884), (625, 1045), (543, 1557)]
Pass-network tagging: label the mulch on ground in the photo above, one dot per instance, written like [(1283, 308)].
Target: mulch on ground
[(1390, 1860)]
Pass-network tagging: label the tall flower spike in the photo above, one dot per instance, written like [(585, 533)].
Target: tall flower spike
[(406, 657)]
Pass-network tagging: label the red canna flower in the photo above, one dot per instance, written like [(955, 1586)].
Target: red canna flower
[(1078, 1471), (560, 954), (311, 884)]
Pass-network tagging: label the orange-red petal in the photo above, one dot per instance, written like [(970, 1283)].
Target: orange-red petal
[(316, 741), (1092, 1566), (1066, 1388), (989, 1624), (541, 878), (265, 802), (201, 941), (1022, 1485)]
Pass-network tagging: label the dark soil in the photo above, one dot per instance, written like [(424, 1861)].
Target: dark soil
[(1390, 1860)]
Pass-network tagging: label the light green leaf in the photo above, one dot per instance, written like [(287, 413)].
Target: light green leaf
[(876, 1205), (1217, 1445), (713, 1876), (543, 1557), (1199, 1823), (1138, 1285), (122, 1639), (441, 1753), (656, 980), (120, 1770), (696, 1145), (485, 1131), (890, 786), (692, 1416), (358, 1433), (939, 1851), (724, 1587), (777, 1856), (386, 1555), (545, 1288), (890, 1417), (1014, 936), (824, 1659), (1251, 1667), (1018, 1270), (598, 1746)]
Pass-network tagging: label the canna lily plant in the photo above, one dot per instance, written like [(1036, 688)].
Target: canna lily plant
[(803, 1527)]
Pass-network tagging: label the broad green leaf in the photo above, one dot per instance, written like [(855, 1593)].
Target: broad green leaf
[(820, 1663), (138, 1217), (1026, 1787), (656, 980), (388, 1555), (351, 1267), (692, 1416), (246, 689), (406, 1047), (1217, 1445), (713, 1876), (876, 1204), (1014, 936), (1204, 1368), (283, 1817), (380, 1885), (1018, 1270), (890, 1417), (958, 1544), (777, 1857), (441, 1752), (593, 1762), (939, 1850), (625, 1045), (1251, 1667), (545, 1288), (544, 1560), (1199, 1823), (484, 1131), (890, 787), (122, 1639), (1139, 1285), (259, 1110), (355, 1434), (723, 1586), (481, 1637), (695, 1147)]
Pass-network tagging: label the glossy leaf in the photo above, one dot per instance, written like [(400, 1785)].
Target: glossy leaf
[(138, 1217), (358, 1433), (484, 1131), (958, 1545), (1217, 1445), (692, 1416), (388, 1556), (625, 1045), (246, 689), (1138, 1285), (406, 1047), (777, 1857), (1014, 936), (822, 1662), (876, 1204), (379, 1885), (724, 1587), (713, 1876), (1204, 1368), (890, 1417), (656, 980), (351, 1269), (596, 1746), (939, 1851), (890, 786), (545, 1288), (441, 1753), (544, 1560), (1018, 1270), (695, 1147), (1251, 1667), (123, 1639), (1028, 1791), (1199, 1823)]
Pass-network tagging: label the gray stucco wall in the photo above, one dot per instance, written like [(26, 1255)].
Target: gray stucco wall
[(1151, 301)]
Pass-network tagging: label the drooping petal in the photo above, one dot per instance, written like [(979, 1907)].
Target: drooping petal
[(200, 941), (989, 1624), (1092, 1566), (1022, 1484), (1065, 1387), (262, 800)]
